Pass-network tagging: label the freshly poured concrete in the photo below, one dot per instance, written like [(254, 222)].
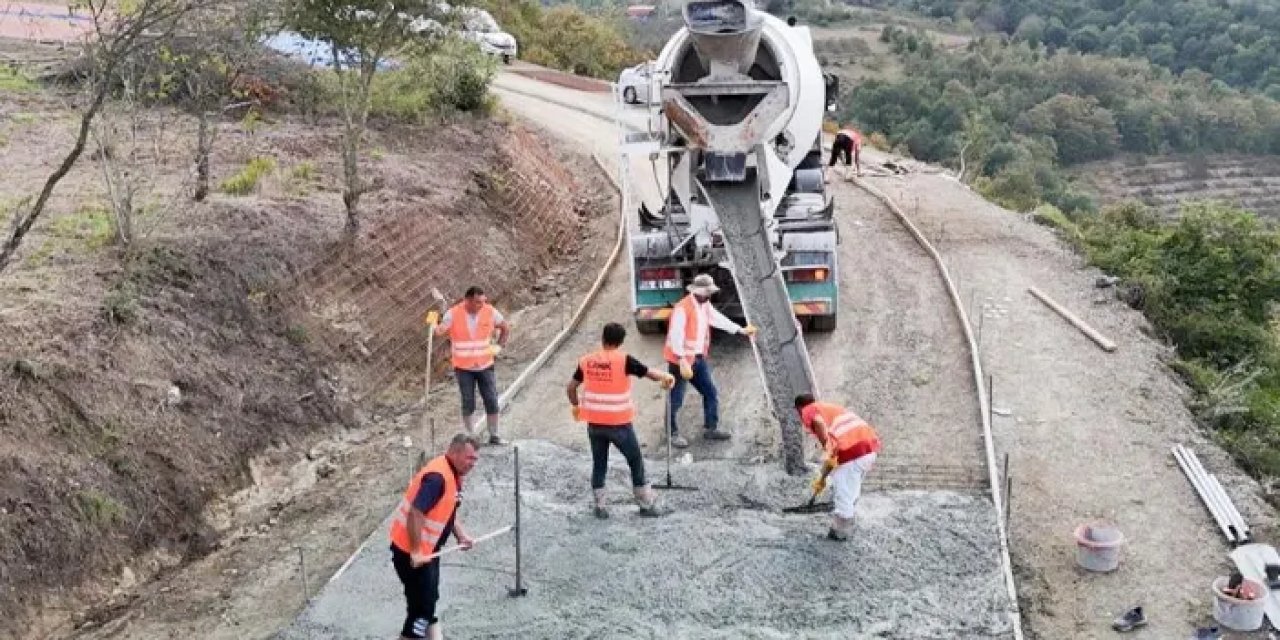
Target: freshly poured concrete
[(725, 564)]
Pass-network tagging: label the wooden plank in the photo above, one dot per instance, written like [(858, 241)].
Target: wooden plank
[(1102, 341)]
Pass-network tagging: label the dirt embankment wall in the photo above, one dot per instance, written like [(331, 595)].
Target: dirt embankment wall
[(134, 391)]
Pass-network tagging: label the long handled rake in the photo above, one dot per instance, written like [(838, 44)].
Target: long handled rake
[(666, 427)]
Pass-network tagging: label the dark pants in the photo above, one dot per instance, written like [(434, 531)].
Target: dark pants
[(421, 590), (843, 145), (706, 387), (488, 383), (624, 438)]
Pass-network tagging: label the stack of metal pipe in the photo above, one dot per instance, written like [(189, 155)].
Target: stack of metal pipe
[(1224, 512)]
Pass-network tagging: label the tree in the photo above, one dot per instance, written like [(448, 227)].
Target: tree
[(119, 29), (361, 34)]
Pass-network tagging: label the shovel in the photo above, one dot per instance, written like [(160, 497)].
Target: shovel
[(666, 428), (812, 506), (427, 428)]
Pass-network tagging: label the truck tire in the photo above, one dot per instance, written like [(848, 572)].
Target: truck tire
[(629, 95), (822, 324), (651, 327)]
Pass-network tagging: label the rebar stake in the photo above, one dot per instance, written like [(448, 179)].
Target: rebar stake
[(519, 589)]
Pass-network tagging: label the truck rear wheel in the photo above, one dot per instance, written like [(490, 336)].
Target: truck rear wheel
[(822, 324), (651, 327)]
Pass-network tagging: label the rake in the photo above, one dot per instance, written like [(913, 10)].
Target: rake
[(666, 427)]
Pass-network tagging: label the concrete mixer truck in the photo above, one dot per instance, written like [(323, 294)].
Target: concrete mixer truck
[(737, 134)]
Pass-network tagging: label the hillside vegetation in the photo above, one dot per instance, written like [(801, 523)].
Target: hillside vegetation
[(1237, 42), (1020, 114), (567, 38)]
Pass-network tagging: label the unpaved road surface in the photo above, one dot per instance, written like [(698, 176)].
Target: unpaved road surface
[(1088, 433), (727, 562)]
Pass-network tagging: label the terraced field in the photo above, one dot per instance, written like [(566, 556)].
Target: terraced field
[(1252, 182)]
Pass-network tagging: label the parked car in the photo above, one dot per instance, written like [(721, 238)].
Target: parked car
[(636, 83), (479, 27)]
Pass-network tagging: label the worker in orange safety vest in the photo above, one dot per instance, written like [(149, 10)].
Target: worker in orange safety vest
[(427, 515), (687, 347), (477, 332), (606, 405), (851, 446), (848, 143)]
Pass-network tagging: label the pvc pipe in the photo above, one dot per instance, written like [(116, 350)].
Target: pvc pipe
[(1229, 508), (1203, 492), (984, 407), (1230, 517)]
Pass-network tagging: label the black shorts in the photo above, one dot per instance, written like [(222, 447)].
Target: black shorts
[(842, 146)]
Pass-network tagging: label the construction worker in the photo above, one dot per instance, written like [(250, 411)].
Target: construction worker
[(686, 349), (474, 346), (851, 446), (849, 144), (605, 405), (423, 522)]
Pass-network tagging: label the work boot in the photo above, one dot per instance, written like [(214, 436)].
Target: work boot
[(494, 439), (648, 501), (712, 433), (1132, 619), (838, 536), (599, 509), (679, 442), (1207, 633)]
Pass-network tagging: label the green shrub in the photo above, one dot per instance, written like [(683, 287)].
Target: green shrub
[(121, 303), (1051, 216), (246, 181), (13, 81), (91, 223), (98, 509)]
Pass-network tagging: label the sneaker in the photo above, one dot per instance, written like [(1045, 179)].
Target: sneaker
[(838, 536), (679, 442), (601, 513), (1207, 633), (714, 434), (1132, 619), (495, 440)]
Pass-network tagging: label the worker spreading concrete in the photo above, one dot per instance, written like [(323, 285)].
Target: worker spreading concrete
[(848, 143), (606, 406), (851, 446), (427, 515), (688, 345), (473, 347)]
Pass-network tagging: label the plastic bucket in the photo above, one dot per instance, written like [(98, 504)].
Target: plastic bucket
[(1237, 614), (1098, 547)]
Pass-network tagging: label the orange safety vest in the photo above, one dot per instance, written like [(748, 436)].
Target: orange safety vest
[(437, 518), (606, 389), (853, 135), (471, 352), (695, 341), (848, 436)]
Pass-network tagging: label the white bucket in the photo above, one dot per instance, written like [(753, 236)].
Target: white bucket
[(1098, 547), (1236, 614)]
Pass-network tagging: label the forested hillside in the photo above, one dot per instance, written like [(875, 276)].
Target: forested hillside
[(1237, 42)]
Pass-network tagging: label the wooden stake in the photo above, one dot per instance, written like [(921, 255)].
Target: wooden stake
[(1102, 341)]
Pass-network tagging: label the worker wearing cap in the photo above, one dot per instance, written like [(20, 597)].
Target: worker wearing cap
[(848, 143), (606, 406), (471, 326), (426, 516), (688, 344), (851, 446)]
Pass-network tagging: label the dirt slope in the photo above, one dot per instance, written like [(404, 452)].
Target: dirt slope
[(138, 389)]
